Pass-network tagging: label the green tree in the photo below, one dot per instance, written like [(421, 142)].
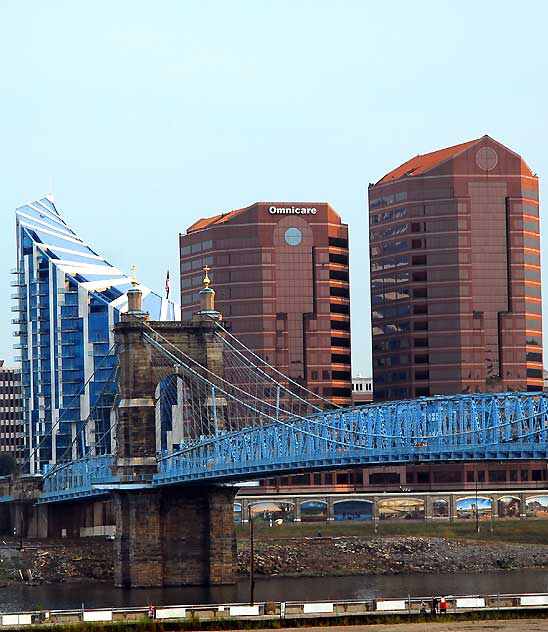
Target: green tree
[(8, 464)]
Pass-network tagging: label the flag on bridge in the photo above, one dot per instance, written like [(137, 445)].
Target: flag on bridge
[(167, 284)]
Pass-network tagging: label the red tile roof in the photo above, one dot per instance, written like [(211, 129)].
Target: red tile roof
[(419, 164), (216, 219)]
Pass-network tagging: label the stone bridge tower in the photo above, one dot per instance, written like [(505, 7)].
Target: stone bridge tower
[(173, 535)]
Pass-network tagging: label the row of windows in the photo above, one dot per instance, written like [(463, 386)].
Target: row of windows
[(388, 199), (392, 344), (340, 325), (336, 258), (391, 328), (337, 308), (531, 274), (530, 209), (530, 225), (340, 358), (340, 342), (389, 248), (338, 275), (192, 281), (201, 262), (390, 361), (393, 279), (392, 378), (398, 311), (388, 232), (389, 263), (338, 242), (532, 194), (341, 292), (195, 248), (334, 391), (395, 295)]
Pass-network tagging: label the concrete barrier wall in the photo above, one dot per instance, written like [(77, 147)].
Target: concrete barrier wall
[(289, 609)]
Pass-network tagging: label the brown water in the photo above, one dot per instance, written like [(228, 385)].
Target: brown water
[(69, 596)]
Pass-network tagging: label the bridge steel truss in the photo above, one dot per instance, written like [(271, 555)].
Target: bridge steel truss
[(502, 426)]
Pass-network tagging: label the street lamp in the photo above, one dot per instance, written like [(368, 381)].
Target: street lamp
[(251, 559)]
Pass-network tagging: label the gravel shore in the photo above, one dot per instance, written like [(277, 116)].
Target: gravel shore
[(381, 556), (90, 559)]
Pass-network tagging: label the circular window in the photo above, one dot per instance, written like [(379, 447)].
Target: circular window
[(293, 236), (487, 158)]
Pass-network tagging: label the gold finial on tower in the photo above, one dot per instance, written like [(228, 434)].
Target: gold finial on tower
[(134, 281), (207, 280)]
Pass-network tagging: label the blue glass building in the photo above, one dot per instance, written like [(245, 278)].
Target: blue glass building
[(67, 300)]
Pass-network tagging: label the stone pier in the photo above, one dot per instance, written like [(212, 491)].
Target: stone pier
[(173, 535)]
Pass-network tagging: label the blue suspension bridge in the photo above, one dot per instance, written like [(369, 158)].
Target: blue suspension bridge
[(250, 421)]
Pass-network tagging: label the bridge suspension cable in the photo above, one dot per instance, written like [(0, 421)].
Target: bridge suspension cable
[(247, 353), (67, 408)]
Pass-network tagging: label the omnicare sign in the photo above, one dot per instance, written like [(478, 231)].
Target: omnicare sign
[(292, 210)]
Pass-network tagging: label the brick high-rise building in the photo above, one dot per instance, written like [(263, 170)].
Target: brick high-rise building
[(12, 437), (280, 272), (455, 274)]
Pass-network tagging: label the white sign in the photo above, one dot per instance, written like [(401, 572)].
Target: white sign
[(471, 602), (292, 210), (243, 611), (534, 600), (317, 607), (171, 613), (97, 615), (391, 605)]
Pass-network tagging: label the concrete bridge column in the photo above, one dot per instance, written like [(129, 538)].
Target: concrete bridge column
[(330, 510), (522, 506), (452, 507), (297, 502), (427, 507)]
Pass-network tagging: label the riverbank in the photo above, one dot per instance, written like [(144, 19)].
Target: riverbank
[(308, 550), (354, 555)]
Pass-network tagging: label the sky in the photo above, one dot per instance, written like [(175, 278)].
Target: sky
[(142, 117)]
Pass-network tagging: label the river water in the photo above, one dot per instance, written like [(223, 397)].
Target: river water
[(69, 596)]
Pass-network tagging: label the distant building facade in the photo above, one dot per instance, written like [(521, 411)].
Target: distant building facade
[(11, 413), (281, 276), (67, 299), (455, 274), (362, 390)]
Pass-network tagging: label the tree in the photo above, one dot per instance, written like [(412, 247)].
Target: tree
[(8, 464)]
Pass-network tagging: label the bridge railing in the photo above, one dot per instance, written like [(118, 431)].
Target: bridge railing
[(78, 477), (449, 428)]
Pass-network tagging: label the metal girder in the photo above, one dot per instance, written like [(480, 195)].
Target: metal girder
[(507, 426)]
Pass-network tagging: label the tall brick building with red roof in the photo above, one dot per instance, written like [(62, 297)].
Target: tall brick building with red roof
[(455, 274), (280, 273)]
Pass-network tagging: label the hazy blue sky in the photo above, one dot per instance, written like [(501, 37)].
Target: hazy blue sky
[(149, 115)]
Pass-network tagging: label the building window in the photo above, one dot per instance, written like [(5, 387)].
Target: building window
[(337, 242), (418, 260), (293, 236), (420, 308), (335, 258)]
